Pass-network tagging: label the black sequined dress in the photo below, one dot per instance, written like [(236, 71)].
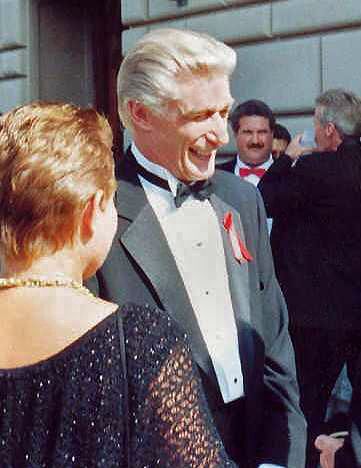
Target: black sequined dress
[(66, 411)]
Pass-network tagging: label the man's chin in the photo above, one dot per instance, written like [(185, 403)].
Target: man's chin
[(196, 170), (256, 160), (203, 174), (191, 178), (204, 169)]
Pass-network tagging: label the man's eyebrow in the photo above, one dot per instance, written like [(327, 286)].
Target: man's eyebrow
[(207, 110)]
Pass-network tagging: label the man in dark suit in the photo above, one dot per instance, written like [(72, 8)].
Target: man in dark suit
[(315, 202), (253, 125), (196, 244)]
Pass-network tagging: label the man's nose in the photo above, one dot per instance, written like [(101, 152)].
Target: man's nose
[(218, 135), (255, 138)]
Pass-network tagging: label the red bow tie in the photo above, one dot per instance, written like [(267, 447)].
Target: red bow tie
[(246, 171)]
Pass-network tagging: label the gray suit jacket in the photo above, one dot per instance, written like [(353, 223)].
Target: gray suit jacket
[(267, 425)]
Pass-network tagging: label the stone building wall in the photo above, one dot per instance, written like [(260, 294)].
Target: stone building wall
[(45, 52), (14, 53), (288, 50)]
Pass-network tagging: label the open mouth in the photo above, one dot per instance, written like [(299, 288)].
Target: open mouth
[(200, 155)]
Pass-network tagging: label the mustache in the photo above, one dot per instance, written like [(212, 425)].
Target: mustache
[(255, 146)]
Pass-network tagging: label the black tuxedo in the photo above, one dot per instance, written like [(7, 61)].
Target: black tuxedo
[(267, 423), (316, 240), (316, 235), (228, 165)]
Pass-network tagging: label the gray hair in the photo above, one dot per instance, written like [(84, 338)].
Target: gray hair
[(149, 71), (343, 109)]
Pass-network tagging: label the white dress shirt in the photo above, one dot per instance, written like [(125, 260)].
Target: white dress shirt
[(194, 238), (254, 179)]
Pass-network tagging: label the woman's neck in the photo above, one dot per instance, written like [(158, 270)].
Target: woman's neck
[(63, 264)]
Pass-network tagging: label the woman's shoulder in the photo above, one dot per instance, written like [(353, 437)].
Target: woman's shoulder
[(148, 326), (144, 315)]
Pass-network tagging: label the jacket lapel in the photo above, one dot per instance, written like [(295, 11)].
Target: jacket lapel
[(145, 241), (238, 279)]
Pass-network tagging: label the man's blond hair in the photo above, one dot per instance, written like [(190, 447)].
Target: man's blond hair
[(149, 72)]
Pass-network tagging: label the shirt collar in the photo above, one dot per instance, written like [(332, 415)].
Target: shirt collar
[(156, 169), (264, 165)]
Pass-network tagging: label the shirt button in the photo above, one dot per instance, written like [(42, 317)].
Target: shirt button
[(207, 293), (235, 380), (199, 244)]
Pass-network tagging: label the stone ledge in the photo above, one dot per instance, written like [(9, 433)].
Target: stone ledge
[(13, 25), (13, 63), (242, 24), (309, 15)]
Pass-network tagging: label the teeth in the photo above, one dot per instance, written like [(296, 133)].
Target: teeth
[(201, 155)]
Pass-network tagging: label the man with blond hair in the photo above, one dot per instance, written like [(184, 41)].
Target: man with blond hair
[(195, 243)]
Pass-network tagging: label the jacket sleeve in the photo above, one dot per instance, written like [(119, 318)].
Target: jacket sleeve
[(284, 430), (287, 186)]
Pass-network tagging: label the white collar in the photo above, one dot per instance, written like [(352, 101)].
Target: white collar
[(265, 165), (155, 169)]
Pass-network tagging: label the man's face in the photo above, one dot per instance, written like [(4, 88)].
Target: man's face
[(322, 140), (254, 139), (185, 139), (278, 147)]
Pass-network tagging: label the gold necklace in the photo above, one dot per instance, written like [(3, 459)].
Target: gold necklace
[(43, 282)]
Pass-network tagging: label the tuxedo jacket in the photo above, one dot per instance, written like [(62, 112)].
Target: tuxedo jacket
[(316, 235), (229, 165), (267, 422)]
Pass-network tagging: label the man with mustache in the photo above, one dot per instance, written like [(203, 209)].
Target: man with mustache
[(253, 124)]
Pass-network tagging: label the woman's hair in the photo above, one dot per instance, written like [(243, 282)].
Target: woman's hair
[(53, 158), (149, 72)]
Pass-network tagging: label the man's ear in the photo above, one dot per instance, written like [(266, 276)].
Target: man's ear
[(90, 215), (140, 115), (330, 129)]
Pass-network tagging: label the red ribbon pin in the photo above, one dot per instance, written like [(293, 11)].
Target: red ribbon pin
[(240, 251)]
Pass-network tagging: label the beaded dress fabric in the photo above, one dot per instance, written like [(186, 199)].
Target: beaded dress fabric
[(66, 411)]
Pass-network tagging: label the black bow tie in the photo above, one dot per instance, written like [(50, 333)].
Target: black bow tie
[(200, 190)]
